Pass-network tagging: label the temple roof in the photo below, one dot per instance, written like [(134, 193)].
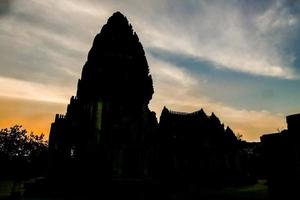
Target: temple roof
[(178, 113)]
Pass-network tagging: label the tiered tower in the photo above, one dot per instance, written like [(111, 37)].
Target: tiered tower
[(108, 125)]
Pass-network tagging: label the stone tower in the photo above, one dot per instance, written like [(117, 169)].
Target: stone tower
[(108, 126)]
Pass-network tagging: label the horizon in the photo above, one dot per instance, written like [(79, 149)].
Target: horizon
[(239, 60)]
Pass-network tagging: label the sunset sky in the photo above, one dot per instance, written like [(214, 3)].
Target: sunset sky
[(237, 58)]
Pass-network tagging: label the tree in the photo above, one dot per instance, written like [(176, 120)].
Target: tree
[(239, 136), (20, 150), (13, 142)]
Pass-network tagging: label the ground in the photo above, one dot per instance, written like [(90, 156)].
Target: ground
[(259, 191)]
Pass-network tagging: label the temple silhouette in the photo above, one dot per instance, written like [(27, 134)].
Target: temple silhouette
[(109, 136), (110, 144), (106, 132), (197, 149), (282, 159)]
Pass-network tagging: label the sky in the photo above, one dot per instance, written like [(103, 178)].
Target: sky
[(237, 58)]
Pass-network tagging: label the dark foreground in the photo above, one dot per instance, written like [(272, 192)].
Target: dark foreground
[(258, 191)]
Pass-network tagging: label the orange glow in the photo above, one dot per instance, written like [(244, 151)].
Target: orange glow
[(34, 116), (37, 116)]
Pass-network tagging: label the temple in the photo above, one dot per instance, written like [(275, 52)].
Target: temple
[(109, 140), (196, 148), (282, 159), (104, 134)]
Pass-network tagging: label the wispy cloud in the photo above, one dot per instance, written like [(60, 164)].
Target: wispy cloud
[(44, 44), (40, 45), (224, 33), (184, 94), (5, 6), (221, 32), (277, 16), (13, 88)]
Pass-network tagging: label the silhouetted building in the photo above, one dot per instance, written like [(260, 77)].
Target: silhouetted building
[(196, 149), (106, 131), (282, 160), (109, 140)]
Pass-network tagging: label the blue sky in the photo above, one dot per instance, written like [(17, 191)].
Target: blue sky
[(239, 59)]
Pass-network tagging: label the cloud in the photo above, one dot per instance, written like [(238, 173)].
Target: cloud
[(234, 35), (19, 89), (276, 17), (179, 90), (44, 44), (221, 33), (166, 73), (40, 45), (5, 6)]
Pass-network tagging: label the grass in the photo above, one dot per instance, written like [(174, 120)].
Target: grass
[(258, 191), (5, 188)]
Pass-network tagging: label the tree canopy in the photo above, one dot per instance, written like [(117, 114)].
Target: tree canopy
[(16, 143)]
